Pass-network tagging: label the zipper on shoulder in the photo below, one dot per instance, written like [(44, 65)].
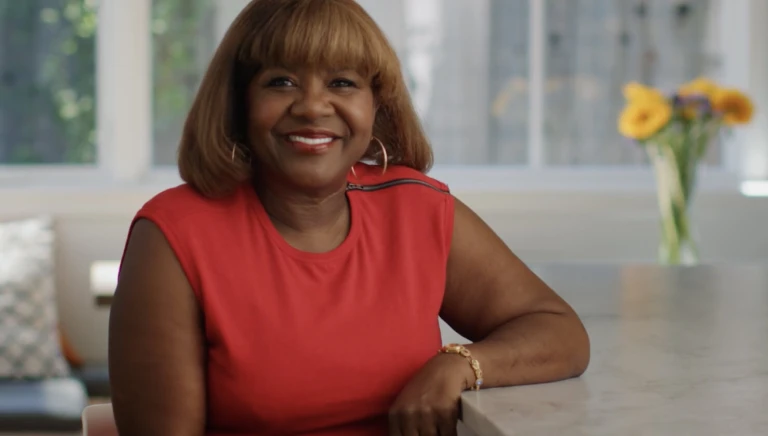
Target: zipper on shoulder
[(391, 183)]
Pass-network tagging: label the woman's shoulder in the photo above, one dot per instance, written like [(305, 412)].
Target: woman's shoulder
[(185, 201), (183, 193), (183, 197), (372, 175), (405, 202), (405, 192)]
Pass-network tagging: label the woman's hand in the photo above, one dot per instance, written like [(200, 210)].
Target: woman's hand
[(429, 403)]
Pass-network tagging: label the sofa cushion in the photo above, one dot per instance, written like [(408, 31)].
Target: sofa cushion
[(41, 405), (29, 337)]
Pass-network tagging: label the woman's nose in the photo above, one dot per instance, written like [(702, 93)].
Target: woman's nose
[(312, 102)]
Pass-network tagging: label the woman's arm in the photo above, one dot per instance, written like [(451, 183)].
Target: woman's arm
[(522, 331), (156, 345)]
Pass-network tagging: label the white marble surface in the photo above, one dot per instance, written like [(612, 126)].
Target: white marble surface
[(679, 351)]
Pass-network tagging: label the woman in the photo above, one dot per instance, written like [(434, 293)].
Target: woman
[(288, 288)]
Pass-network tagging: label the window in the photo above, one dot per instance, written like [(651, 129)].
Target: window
[(47, 82), (505, 88), (538, 82), (183, 41), (508, 84), (593, 47), (453, 65)]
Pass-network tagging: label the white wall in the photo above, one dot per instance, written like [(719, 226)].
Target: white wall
[(548, 226)]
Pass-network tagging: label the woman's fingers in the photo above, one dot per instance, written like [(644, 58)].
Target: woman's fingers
[(424, 421)]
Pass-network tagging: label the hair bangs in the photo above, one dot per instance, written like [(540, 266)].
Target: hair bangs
[(324, 34)]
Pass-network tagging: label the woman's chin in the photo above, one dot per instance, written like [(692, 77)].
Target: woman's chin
[(317, 175)]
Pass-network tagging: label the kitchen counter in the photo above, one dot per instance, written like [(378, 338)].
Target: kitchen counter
[(675, 351)]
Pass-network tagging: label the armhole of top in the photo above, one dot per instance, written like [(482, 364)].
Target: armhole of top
[(180, 250), (449, 213)]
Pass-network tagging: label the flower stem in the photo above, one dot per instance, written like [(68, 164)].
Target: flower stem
[(675, 179)]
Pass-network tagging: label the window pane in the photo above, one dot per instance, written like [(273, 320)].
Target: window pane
[(184, 39), (47, 81), (594, 47), (466, 63), (508, 121)]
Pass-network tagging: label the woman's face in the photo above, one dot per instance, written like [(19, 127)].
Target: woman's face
[(309, 127)]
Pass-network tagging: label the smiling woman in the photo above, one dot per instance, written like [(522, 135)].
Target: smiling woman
[(289, 288)]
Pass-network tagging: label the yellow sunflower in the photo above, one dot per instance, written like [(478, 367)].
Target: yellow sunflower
[(635, 92), (702, 86), (642, 119), (735, 106)]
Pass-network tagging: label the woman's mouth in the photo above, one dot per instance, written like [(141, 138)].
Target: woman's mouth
[(311, 145)]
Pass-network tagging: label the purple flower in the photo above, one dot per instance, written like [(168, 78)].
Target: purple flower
[(699, 102)]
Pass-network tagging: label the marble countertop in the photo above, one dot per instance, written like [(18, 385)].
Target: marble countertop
[(680, 351)]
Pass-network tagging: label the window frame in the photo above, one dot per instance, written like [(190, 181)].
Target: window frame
[(124, 118)]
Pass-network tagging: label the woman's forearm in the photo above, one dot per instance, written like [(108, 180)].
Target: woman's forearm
[(534, 348)]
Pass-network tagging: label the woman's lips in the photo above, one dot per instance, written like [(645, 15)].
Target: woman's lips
[(310, 145)]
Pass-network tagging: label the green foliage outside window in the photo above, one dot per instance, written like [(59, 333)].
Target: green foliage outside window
[(48, 76), (47, 81)]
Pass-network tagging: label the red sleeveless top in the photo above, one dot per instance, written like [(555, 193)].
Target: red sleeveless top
[(313, 343)]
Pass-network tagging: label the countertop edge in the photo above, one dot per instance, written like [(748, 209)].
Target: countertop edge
[(474, 419)]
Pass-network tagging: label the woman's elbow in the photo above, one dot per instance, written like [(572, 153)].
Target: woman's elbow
[(580, 349)]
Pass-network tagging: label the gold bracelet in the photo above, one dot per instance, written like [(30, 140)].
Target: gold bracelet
[(463, 351)]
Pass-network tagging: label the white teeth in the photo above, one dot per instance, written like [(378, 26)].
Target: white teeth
[(310, 141)]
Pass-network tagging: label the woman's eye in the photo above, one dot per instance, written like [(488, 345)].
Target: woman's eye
[(280, 82), (342, 83)]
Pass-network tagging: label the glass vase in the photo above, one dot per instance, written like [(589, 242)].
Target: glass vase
[(675, 180)]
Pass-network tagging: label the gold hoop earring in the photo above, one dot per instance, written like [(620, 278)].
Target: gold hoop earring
[(383, 154), (235, 146)]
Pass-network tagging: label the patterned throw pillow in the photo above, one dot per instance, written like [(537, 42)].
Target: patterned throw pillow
[(29, 339)]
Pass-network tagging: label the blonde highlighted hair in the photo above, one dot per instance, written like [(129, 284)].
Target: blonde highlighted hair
[(293, 33)]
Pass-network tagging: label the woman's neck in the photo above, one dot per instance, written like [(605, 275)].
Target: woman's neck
[(315, 222)]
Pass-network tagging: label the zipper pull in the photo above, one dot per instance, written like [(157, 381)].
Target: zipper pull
[(354, 187)]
